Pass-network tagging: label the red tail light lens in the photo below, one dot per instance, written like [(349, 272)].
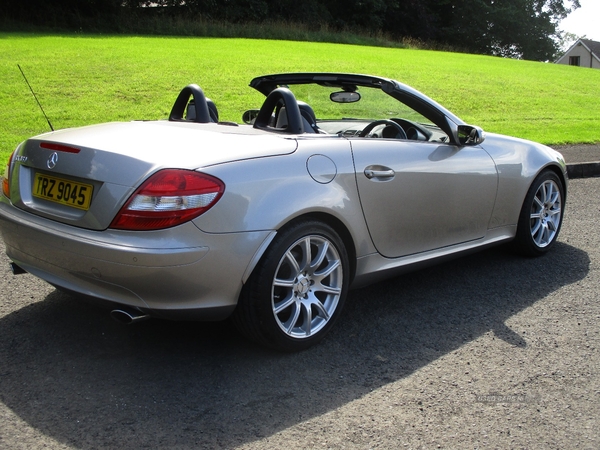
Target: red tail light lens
[(169, 198), (6, 177)]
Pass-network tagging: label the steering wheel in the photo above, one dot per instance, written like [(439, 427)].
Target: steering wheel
[(178, 111), (401, 133), (285, 98)]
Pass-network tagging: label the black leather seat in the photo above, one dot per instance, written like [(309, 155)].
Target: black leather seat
[(309, 115), (190, 113), (309, 118)]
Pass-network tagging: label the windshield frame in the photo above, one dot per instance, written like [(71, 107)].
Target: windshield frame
[(419, 102)]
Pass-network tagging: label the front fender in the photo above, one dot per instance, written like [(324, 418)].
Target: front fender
[(518, 162)]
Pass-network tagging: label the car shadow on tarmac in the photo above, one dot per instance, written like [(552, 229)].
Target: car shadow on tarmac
[(77, 376)]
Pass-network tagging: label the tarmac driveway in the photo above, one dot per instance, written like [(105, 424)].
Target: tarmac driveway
[(491, 350)]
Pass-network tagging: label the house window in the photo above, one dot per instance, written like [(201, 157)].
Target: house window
[(574, 60)]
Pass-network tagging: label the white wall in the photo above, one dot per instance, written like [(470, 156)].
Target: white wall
[(585, 57)]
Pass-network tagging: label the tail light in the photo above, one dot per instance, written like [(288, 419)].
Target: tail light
[(168, 198), (6, 178)]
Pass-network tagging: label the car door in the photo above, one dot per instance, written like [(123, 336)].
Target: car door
[(420, 196)]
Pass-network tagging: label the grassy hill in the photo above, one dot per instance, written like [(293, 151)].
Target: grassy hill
[(89, 79)]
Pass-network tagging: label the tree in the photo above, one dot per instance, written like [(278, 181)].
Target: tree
[(61, 13), (525, 29), (512, 28)]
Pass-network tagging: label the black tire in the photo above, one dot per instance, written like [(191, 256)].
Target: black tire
[(298, 289), (541, 216)]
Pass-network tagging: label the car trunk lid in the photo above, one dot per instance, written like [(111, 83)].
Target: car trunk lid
[(83, 176)]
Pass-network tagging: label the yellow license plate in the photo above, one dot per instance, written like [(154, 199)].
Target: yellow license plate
[(65, 192)]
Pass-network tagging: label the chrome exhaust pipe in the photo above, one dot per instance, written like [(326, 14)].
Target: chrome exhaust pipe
[(16, 269), (128, 316)]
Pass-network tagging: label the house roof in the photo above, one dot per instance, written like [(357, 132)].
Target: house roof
[(592, 46)]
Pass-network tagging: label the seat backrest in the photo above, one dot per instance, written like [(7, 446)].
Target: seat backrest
[(276, 101), (281, 119), (308, 118), (212, 110), (190, 113)]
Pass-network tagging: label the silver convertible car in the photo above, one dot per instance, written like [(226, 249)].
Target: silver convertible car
[(336, 181)]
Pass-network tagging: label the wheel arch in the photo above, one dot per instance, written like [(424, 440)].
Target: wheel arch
[(279, 305), (342, 232), (561, 175), (337, 225), (556, 169), (524, 242)]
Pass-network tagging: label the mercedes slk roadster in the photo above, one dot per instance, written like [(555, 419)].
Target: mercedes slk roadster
[(336, 181)]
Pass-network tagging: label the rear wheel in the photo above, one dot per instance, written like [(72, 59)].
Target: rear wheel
[(297, 291), (541, 215)]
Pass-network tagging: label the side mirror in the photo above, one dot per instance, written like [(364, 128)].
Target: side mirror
[(470, 135), (250, 116)]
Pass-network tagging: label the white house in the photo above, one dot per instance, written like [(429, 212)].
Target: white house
[(583, 53)]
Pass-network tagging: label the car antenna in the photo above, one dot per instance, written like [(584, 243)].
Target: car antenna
[(36, 99)]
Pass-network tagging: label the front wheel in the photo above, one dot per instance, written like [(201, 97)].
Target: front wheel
[(297, 291), (541, 215)]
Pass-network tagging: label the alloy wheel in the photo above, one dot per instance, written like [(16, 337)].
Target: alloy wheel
[(545, 214), (307, 286)]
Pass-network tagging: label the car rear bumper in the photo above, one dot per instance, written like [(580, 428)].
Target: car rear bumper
[(178, 273)]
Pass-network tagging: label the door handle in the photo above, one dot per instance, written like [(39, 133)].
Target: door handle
[(379, 174)]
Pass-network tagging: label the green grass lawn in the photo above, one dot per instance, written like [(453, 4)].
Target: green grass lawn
[(81, 80)]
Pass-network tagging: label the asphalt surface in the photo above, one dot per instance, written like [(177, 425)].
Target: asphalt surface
[(583, 161), (488, 351)]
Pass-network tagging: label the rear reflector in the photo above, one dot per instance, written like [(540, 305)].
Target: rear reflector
[(168, 198)]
